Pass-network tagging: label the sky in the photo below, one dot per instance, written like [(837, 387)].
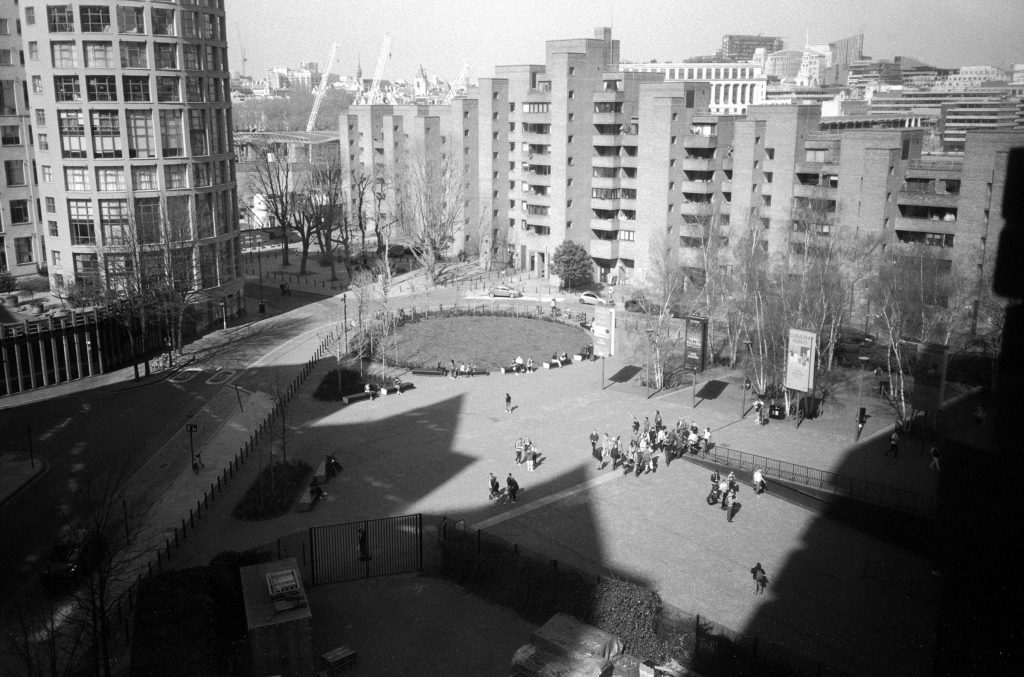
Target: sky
[(443, 35)]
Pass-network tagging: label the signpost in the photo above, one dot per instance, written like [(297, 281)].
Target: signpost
[(191, 428), (604, 335), (695, 343)]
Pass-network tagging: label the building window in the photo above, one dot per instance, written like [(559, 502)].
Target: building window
[(167, 89), (99, 54), (63, 54), (55, 258), (10, 135), (131, 20), (23, 250), (51, 205), (114, 221), (87, 269), (194, 91), (175, 176), (106, 133), (192, 58), (60, 18), (33, 51), (76, 178), (133, 55), (110, 179), (101, 87), (197, 132), (163, 21), (72, 133), (5, 58), (14, 172), (95, 19), (165, 55), (30, 16), (44, 142), (172, 139), (67, 88), (37, 85), (53, 228), (20, 211), (144, 178), (147, 218), (140, 134), (47, 174), (136, 88)]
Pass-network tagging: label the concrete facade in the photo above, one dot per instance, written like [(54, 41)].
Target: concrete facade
[(133, 145)]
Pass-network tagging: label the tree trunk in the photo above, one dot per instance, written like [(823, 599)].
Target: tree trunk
[(284, 247)]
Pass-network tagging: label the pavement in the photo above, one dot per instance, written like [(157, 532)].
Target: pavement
[(430, 451)]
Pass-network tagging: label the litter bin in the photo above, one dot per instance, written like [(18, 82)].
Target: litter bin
[(776, 411)]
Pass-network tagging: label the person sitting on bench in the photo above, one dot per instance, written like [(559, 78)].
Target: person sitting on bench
[(565, 356), (398, 385), (368, 390), (333, 467), (316, 492)]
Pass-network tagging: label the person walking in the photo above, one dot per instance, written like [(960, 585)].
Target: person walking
[(706, 438), (636, 425), (935, 458), (606, 451), (531, 456), (728, 502), (894, 445), (593, 442), (657, 419), (758, 482), (519, 451), (494, 487), (197, 462), (760, 578), (513, 487), (508, 403)]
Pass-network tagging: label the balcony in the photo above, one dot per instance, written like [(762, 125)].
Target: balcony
[(700, 187), (606, 139), (538, 220), (604, 182), (609, 95), (829, 167), (604, 203), (726, 185), (700, 141), (604, 249), (607, 161), (628, 161), (609, 119), (696, 208), (537, 199), (927, 198), (698, 164), (605, 225), (925, 225)]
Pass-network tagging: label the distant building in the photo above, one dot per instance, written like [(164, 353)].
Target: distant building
[(734, 86), (742, 47), (873, 73), (783, 65)]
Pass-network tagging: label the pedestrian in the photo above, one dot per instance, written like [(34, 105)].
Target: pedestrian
[(636, 425), (199, 460), (760, 579), (284, 289), (508, 403), (606, 452), (935, 458), (529, 365), (593, 442), (513, 487), (758, 482), (706, 437), (451, 370), (519, 451), (723, 489), (894, 445), (333, 467), (364, 550), (398, 385), (531, 456), (647, 425), (727, 504), (616, 451), (657, 419), (495, 488)]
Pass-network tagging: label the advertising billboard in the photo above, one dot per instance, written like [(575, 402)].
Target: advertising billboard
[(604, 331), (930, 376), (800, 357), (695, 343)]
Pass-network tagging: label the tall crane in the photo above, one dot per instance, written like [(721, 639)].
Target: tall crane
[(322, 90), (374, 95), (241, 46), (459, 85)]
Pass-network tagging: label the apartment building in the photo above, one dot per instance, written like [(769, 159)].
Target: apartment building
[(22, 250), (414, 146), (742, 47), (734, 86), (130, 107)]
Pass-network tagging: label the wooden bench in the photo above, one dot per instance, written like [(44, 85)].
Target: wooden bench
[(358, 397), (338, 659), (392, 390), (429, 372), (551, 365)]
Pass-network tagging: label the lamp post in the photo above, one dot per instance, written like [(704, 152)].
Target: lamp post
[(693, 402), (746, 379), (650, 333), (259, 255), (191, 428)]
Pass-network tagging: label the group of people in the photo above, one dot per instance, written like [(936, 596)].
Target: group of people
[(495, 489), (462, 369), (646, 441), (520, 367), (526, 452)]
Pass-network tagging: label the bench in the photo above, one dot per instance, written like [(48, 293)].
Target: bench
[(429, 372), (307, 500), (320, 475), (401, 388), (338, 659), (358, 397)]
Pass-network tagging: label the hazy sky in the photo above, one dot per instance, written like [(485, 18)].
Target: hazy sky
[(444, 34)]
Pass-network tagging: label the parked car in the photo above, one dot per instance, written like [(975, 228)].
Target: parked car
[(504, 290), (590, 298)]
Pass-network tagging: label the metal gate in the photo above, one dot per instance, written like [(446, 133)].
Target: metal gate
[(380, 547)]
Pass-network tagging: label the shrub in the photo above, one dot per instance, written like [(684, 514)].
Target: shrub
[(281, 483), (8, 283), (35, 284), (351, 383)]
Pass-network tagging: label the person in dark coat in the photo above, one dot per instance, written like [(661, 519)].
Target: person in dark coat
[(757, 572), (513, 487)]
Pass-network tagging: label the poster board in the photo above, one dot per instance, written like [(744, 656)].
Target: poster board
[(604, 331), (800, 356), (695, 343), (930, 376)]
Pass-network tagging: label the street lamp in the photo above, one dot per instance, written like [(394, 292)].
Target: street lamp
[(259, 255), (650, 333), (191, 428), (746, 379)]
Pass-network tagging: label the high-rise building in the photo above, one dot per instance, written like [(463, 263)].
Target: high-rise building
[(22, 252), (742, 47), (130, 107)]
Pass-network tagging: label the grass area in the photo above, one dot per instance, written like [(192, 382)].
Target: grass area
[(488, 342), (281, 482)]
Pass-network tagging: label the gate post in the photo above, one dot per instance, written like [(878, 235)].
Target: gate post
[(312, 558)]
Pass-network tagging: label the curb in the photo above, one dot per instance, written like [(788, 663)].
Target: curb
[(45, 468)]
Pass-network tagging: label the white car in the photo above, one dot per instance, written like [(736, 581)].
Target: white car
[(590, 298)]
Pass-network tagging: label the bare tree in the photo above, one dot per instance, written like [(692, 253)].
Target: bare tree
[(278, 183), (426, 196), (362, 189), (324, 208)]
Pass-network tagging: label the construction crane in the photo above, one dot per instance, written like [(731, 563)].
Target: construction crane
[(322, 90), (241, 46), (459, 85), (374, 95)]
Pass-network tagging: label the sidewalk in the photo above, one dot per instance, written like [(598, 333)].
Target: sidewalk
[(16, 472)]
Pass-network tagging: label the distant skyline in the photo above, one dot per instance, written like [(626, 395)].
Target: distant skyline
[(443, 34)]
